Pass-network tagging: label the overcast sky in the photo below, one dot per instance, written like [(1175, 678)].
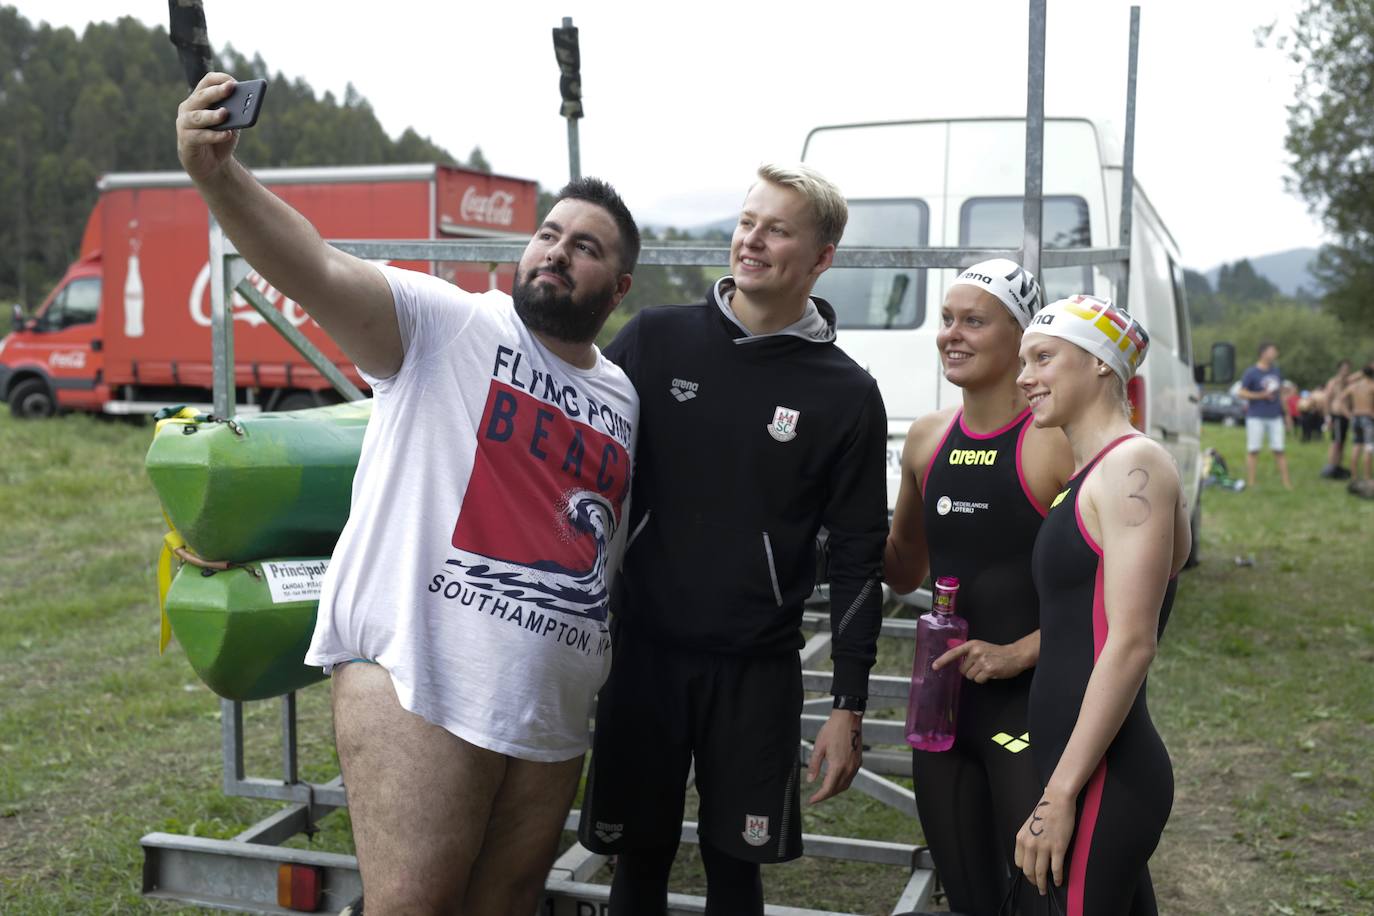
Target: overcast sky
[(684, 100)]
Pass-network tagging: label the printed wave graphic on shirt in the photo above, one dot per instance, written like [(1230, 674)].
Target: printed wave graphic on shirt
[(548, 584), (542, 506)]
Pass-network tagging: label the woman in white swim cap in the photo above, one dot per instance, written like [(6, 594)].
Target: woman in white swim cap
[(1105, 564), (977, 480)]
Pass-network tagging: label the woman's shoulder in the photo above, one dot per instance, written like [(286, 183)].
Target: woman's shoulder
[(1133, 456)]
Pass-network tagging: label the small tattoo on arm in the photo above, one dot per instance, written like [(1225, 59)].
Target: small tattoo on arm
[(1144, 503), (854, 740), (1036, 828)]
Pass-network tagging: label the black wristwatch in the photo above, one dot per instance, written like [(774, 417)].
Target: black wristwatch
[(853, 704)]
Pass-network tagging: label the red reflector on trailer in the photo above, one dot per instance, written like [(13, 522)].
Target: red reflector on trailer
[(298, 887), (1135, 393)]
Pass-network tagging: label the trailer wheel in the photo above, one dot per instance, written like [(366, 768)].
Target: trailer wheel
[(30, 399)]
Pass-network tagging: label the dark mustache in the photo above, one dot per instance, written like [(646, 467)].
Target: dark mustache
[(555, 272)]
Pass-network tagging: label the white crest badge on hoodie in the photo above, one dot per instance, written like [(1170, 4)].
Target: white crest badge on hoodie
[(784, 425)]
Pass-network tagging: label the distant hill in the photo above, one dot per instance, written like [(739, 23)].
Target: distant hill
[(1285, 269), (725, 225)]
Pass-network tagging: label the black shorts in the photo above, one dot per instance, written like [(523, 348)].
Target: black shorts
[(737, 717), (1340, 428)]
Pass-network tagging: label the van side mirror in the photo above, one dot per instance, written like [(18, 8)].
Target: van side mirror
[(17, 317), (1221, 369)]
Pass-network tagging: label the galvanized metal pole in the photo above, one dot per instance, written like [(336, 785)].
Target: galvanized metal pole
[(574, 152), (221, 327), (1128, 163), (572, 100), (1035, 140)]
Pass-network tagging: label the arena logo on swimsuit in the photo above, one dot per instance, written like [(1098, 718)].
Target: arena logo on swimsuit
[(982, 456)]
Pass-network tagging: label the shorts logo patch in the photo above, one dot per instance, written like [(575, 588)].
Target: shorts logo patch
[(784, 425), (609, 833), (1015, 745), (756, 829)]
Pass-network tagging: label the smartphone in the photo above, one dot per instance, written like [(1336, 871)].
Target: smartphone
[(244, 104)]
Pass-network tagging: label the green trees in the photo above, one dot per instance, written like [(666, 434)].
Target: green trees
[(1333, 147), (73, 108), (1246, 309)]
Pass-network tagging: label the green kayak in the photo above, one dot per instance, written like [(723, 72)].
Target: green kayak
[(274, 484), (245, 630)]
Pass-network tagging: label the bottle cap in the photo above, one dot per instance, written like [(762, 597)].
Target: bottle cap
[(945, 589)]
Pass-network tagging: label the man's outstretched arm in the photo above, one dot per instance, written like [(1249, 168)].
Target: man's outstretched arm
[(348, 297)]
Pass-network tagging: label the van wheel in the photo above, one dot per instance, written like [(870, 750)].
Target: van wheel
[(1195, 523), (31, 400)]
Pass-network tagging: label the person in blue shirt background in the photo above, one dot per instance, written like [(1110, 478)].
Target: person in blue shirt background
[(1262, 387)]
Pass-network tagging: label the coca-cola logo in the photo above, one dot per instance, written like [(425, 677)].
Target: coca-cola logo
[(494, 209)]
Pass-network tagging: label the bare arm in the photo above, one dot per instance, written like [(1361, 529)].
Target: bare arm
[(348, 297), (906, 557), (1136, 497), (1133, 500)]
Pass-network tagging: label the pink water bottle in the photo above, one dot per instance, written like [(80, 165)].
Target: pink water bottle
[(933, 707)]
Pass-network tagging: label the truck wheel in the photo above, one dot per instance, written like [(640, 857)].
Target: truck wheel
[(1195, 523), (299, 400), (31, 400)]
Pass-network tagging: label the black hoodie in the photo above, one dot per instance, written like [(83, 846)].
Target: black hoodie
[(747, 446)]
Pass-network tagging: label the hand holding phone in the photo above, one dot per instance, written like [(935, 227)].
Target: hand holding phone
[(244, 103)]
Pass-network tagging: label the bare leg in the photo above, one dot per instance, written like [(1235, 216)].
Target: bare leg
[(522, 838), (1281, 460), (1251, 458), (419, 796)]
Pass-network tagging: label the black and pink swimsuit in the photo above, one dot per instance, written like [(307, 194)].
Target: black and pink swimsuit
[(1123, 808), (981, 520)]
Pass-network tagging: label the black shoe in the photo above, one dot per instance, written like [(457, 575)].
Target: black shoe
[(1340, 474)]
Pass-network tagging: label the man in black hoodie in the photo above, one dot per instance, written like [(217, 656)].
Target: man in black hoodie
[(756, 431)]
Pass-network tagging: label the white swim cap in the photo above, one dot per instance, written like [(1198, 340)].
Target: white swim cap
[(1097, 326), (1009, 282)]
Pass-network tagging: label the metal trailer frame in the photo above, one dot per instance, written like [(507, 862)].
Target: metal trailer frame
[(241, 874)]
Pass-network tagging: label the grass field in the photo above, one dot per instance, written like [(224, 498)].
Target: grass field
[(1263, 690)]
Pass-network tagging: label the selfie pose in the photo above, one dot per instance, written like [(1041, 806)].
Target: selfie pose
[(1105, 563), (463, 616)]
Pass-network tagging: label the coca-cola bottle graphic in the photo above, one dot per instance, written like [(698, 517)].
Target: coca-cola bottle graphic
[(933, 706), (133, 293)]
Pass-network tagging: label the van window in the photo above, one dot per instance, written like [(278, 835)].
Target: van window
[(999, 222), (1185, 336), (880, 297), (77, 303)]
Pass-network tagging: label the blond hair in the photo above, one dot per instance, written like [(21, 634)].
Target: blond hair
[(828, 206)]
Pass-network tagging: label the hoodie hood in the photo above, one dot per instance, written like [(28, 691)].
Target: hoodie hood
[(817, 323)]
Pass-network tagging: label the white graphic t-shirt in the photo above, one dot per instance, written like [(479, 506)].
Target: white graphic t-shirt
[(485, 526)]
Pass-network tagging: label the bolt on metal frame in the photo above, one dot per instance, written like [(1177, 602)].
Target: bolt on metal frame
[(240, 874)]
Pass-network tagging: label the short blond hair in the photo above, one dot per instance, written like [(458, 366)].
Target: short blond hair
[(828, 206)]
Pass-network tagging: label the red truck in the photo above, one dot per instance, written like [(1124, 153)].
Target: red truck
[(127, 330)]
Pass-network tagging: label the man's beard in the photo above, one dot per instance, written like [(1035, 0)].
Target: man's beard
[(561, 314)]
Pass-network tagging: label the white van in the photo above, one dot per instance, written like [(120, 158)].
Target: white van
[(960, 183)]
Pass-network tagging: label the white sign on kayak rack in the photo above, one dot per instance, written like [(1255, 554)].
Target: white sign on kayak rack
[(294, 580)]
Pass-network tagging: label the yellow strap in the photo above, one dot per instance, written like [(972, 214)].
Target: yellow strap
[(184, 417), (170, 542)]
